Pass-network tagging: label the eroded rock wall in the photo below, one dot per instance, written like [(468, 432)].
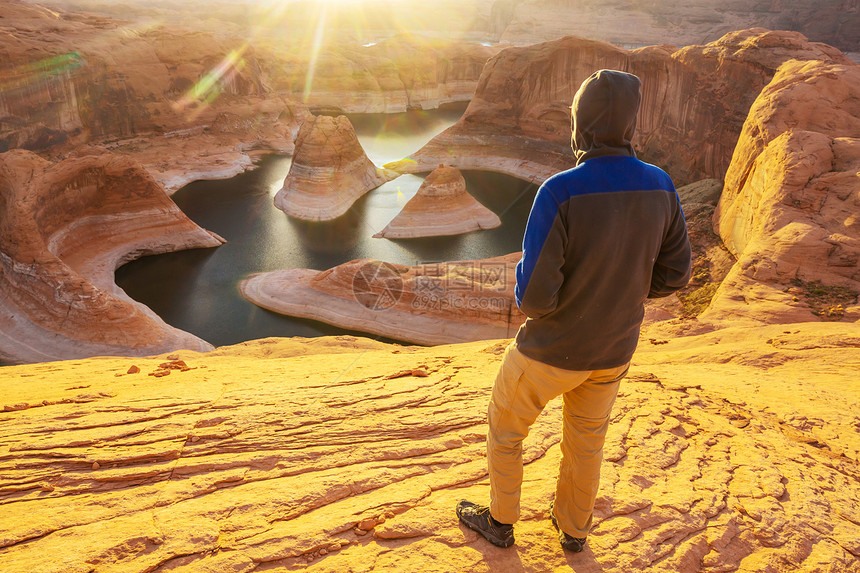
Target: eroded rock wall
[(519, 121)]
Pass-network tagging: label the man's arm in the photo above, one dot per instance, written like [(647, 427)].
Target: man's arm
[(672, 267), (539, 276)]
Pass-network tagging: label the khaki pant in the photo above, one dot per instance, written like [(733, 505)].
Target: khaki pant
[(522, 389)]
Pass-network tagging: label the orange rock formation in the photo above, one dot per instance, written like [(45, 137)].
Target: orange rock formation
[(329, 171), (425, 304), (789, 208), (64, 229), (519, 120), (735, 450), (441, 207)]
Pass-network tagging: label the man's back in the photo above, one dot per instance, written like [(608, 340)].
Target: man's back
[(601, 238)]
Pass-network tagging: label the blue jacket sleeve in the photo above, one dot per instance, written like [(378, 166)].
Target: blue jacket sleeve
[(539, 272)]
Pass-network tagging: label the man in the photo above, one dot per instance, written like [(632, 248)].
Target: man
[(601, 238)]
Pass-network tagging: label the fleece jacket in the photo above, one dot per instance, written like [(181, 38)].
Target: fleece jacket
[(601, 238)]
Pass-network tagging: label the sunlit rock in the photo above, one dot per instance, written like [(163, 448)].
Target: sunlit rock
[(329, 172), (519, 120), (789, 210)]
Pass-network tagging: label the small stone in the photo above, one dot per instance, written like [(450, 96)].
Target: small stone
[(334, 547), (46, 487), (367, 524), (172, 357), (323, 551), (360, 531), (195, 439), (133, 369), (96, 465)]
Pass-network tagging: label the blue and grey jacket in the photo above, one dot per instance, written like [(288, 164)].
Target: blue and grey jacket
[(601, 238)]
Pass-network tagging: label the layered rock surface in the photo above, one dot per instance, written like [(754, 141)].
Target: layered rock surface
[(442, 206), (789, 208), (736, 450), (64, 229), (329, 172), (436, 303), (519, 120)]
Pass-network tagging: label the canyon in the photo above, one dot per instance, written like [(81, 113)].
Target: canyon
[(734, 441)]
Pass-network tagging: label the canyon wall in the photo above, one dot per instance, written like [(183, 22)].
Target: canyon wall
[(64, 229), (72, 78), (519, 120)]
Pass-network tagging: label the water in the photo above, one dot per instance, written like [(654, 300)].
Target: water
[(197, 290)]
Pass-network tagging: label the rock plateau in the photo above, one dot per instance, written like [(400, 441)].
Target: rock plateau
[(731, 451), (442, 206), (64, 229), (329, 172)]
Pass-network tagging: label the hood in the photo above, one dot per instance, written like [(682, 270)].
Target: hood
[(604, 112)]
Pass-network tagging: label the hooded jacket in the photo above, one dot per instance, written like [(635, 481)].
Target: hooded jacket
[(600, 239)]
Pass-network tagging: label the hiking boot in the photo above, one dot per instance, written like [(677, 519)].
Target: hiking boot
[(569, 542), (478, 518)]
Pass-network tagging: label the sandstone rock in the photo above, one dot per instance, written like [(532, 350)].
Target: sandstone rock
[(735, 450), (329, 171), (426, 304), (519, 120), (64, 229), (441, 207), (789, 208)]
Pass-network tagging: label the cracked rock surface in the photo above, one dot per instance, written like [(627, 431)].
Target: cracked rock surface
[(735, 450)]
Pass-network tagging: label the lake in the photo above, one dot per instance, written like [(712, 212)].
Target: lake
[(197, 290)]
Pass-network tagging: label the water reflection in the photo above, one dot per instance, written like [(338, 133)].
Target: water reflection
[(197, 290)]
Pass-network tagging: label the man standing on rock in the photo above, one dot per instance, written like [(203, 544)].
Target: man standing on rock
[(601, 238)]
